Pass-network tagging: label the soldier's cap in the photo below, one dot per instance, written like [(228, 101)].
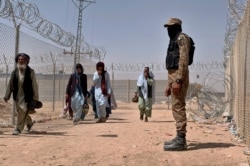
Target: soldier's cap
[(173, 21), (26, 56)]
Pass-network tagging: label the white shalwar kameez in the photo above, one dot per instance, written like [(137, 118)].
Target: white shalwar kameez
[(101, 100)]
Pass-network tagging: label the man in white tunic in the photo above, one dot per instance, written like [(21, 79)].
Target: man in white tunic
[(101, 82), (23, 85)]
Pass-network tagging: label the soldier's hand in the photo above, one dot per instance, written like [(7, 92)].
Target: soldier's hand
[(168, 91), (176, 88)]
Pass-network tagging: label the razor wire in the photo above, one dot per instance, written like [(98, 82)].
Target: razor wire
[(236, 10), (198, 66), (40, 53), (205, 101), (28, 13), (44, 64)]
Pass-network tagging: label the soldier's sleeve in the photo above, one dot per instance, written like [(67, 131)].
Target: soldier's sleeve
[(183, 43)]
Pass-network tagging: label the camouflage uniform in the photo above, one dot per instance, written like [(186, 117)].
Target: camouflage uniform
[(182, 73), (177, 61)]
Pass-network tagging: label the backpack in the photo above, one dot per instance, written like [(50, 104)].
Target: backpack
[(191, 51)]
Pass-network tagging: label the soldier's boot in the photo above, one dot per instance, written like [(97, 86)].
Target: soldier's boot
[(179, 143), (171, 141)]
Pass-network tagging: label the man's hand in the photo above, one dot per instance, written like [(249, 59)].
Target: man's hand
[(168, 91), (176, 88)]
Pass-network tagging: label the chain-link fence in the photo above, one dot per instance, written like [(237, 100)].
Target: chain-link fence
[(238, 67), (43, 55), (53, 67)]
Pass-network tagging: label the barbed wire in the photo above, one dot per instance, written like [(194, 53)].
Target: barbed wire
[(199, 66), (28, 13), (236, 9), (44, 63), (205, 101)]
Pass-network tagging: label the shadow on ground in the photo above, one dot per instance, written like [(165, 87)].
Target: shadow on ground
[(208, 145), (108, 135), (46, 133)]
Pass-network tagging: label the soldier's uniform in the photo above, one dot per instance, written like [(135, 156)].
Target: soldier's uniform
[(177, 61), (182, 73)]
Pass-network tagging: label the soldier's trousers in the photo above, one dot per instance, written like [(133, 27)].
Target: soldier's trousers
[(178, 108)]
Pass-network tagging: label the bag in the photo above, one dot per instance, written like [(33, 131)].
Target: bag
[(191, 51), (85, 108), (135, 99), (35, 104)]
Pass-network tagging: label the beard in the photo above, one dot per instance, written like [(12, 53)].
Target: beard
[(22, 67)]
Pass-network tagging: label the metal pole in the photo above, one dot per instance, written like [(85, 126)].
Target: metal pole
[(16, 52), (7, 69), (7, 72), (112, 76), (79, 29), (79, 33), (54, 85), (128, 89), (54, 59), (63, 87)]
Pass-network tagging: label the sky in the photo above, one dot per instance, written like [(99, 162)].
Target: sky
[(132, 31)]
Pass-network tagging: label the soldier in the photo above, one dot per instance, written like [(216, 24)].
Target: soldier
[(177, 61)]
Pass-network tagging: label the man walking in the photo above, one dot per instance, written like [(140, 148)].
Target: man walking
[(177, 62), (76, 93), (23, 84), (102, 85), (145, 89)]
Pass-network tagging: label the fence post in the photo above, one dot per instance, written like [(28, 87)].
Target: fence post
[(54, 59), (112, 67), (63, 89), (16, 52), (128, 90)]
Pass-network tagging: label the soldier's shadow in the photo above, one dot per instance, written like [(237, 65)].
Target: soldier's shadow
[(208, 145)]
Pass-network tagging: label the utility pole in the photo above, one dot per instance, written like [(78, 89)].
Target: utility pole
[(80, 7)]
